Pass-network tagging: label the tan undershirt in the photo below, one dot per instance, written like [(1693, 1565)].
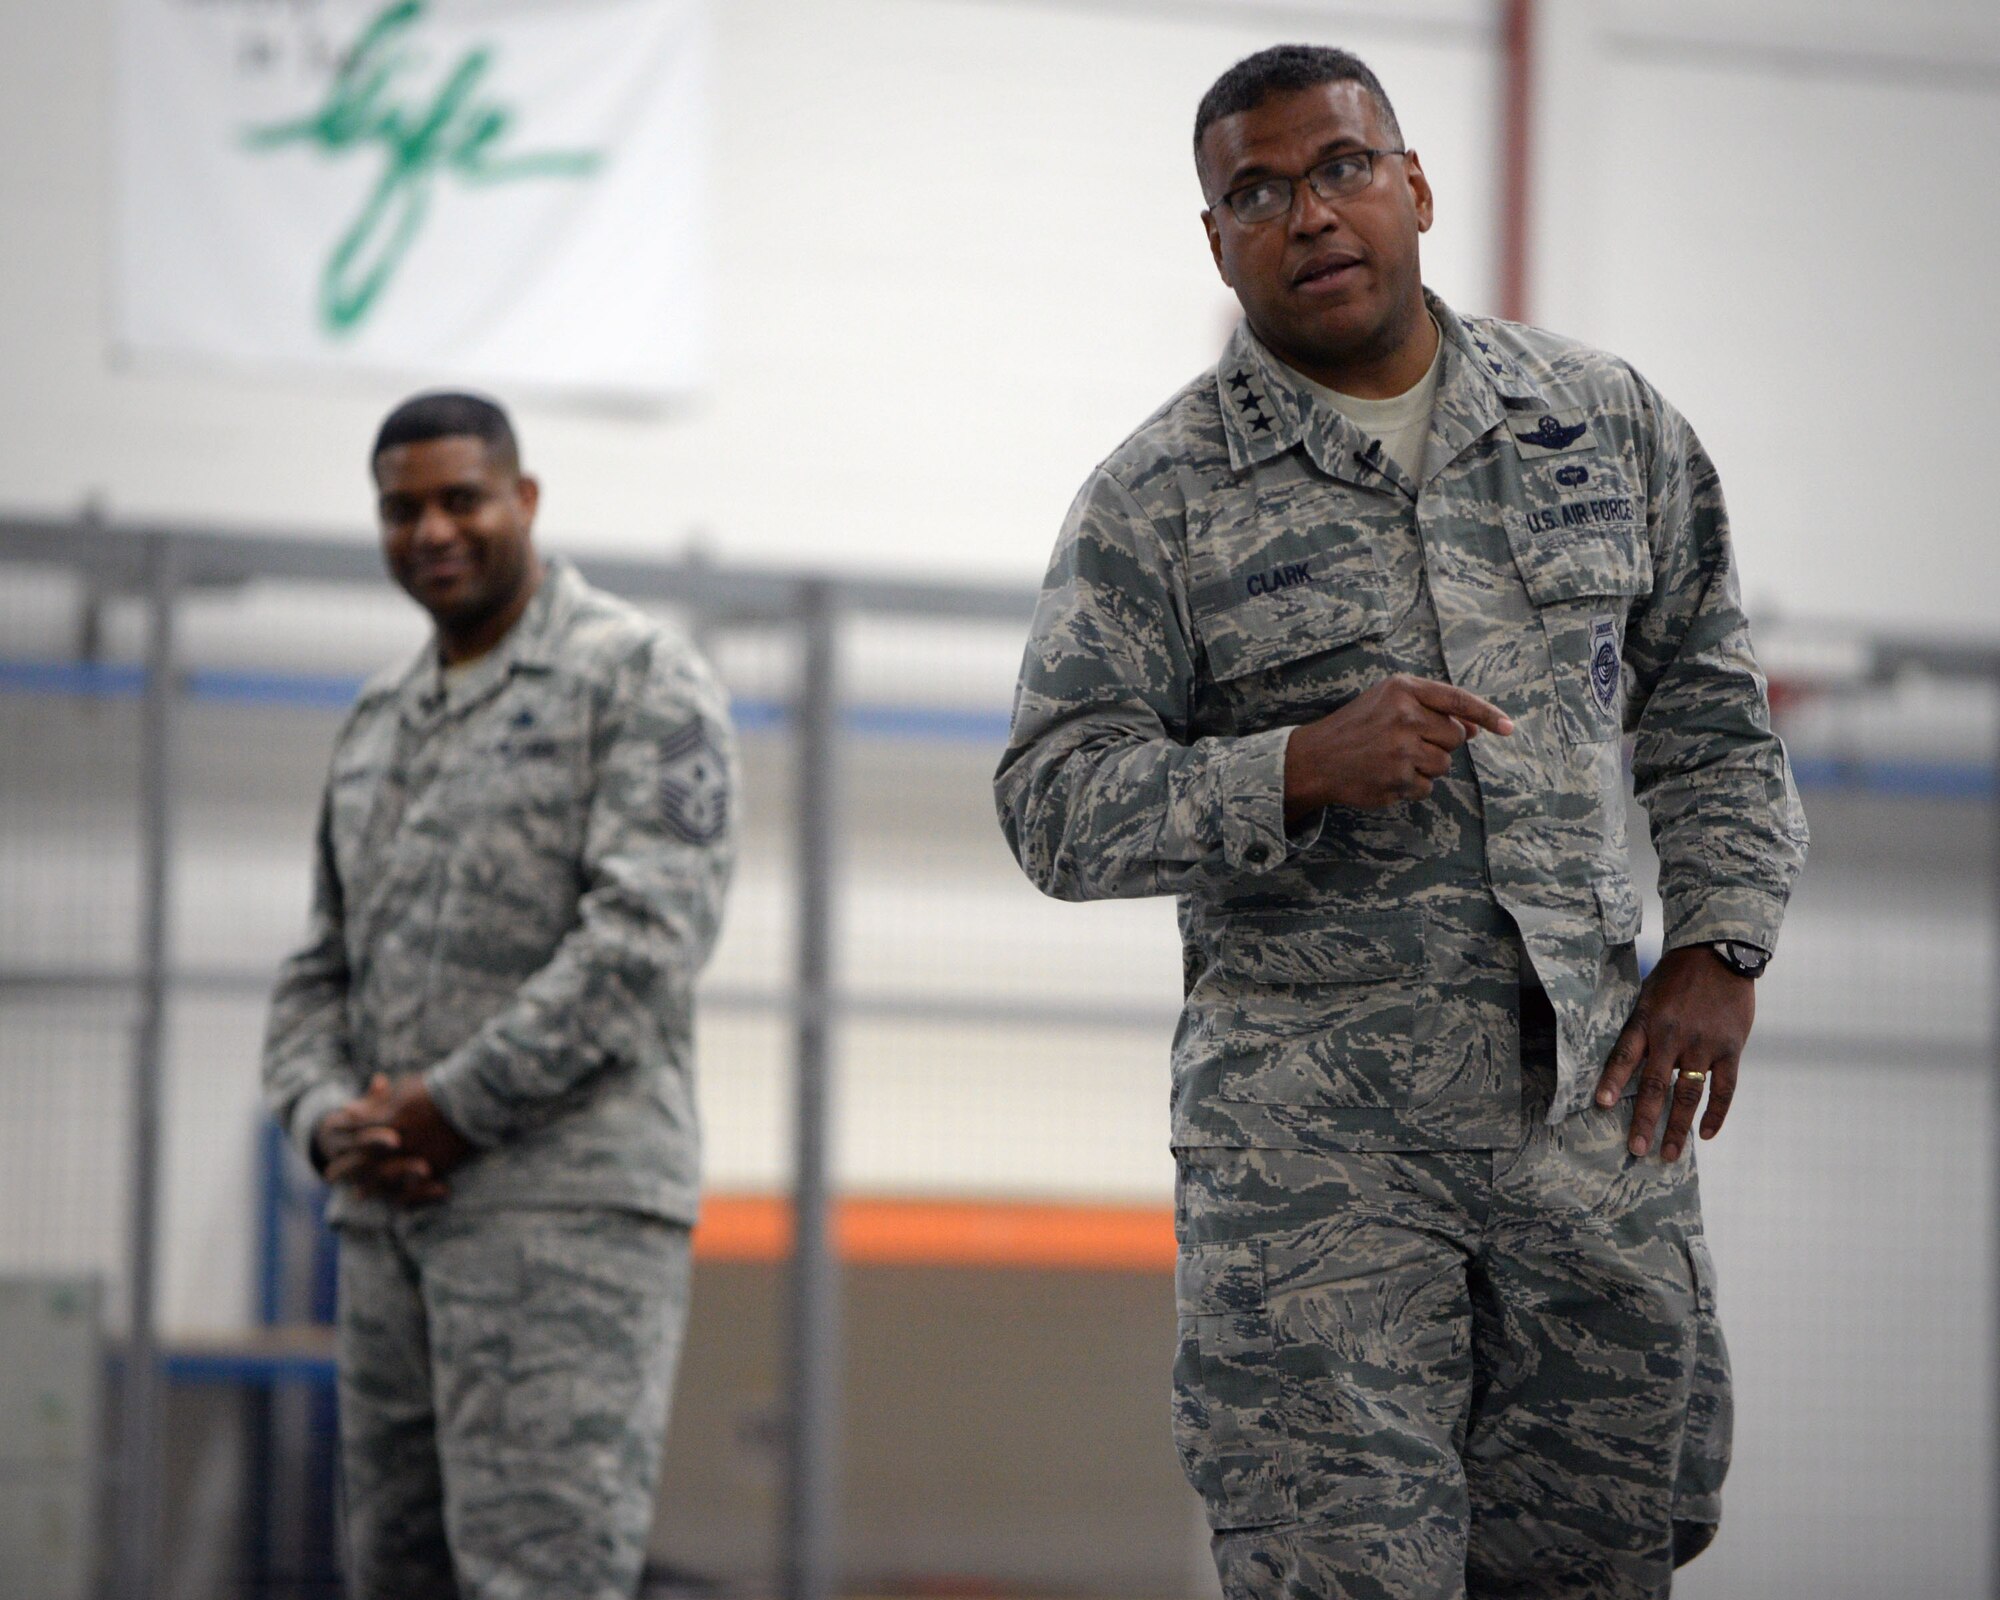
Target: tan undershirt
[(1402, 422)]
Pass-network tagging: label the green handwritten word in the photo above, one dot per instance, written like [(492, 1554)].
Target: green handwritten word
[(456, 132)]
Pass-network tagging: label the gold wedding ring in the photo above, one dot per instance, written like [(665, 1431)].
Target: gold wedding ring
[(1694, 1077)]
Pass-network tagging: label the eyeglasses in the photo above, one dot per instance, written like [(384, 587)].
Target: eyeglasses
[(1335, 178)]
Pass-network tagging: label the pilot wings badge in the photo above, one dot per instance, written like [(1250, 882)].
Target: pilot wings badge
[(1553, 433)]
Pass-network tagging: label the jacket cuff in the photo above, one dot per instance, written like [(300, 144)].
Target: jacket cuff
[(466, 1103), (1250, 779), (1751, 916), (308, 1111)]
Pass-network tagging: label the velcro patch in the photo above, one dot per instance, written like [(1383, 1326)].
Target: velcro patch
[(1551, 433), (1604, 664), (694, 785)]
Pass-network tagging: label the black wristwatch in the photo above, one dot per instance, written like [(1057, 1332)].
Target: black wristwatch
[(1745, 960)]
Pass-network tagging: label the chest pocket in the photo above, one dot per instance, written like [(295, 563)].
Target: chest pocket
[(1584, 563), (1279, 638), (522, 791)]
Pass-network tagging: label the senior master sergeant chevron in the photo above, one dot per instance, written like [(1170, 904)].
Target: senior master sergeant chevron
[(485, 1042), (1446, 1324)]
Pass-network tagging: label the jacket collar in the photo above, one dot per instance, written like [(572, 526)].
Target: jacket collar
[(529, 645), (1266, 408)]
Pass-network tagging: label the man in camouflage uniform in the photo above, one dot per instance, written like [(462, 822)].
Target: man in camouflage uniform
[(485, 1042), (1339, 648)]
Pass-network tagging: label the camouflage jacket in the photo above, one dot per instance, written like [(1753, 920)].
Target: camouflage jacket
[(1249, 560), (518, 878)]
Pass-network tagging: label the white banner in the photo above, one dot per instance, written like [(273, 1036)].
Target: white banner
[(499, 192)]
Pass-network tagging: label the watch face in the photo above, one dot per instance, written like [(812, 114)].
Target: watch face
[(1745, 959)]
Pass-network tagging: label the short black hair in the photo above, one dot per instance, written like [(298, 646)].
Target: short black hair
[(446, 414), (1284, 69)]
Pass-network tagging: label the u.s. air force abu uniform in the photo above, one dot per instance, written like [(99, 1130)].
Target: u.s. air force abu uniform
[(521, 868), (1439, 1331)]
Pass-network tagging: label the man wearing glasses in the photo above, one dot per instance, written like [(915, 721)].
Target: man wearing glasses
[(1340, 648)]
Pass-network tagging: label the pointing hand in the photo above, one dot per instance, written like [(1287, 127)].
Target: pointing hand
[(1389, 743)]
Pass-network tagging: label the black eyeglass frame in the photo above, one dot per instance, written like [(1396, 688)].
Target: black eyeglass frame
[(1292, 185)]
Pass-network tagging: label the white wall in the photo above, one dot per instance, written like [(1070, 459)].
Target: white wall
[(957, 258), (957, 255), (1782, 215)]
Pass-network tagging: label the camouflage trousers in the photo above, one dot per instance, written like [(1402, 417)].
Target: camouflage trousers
[(1460, 1375), (504, 1378)]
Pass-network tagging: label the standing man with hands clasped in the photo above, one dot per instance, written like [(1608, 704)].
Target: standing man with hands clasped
[(485, 1043), (1339, 648)]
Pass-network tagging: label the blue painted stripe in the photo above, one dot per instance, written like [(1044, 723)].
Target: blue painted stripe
[(249, 1367), (757, 716), (1927, 780), (274, 689), (64, 677), (929, 722)]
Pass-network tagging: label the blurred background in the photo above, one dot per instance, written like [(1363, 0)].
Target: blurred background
[(812, 317)]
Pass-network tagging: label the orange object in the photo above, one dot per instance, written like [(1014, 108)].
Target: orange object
[(881, 1230)]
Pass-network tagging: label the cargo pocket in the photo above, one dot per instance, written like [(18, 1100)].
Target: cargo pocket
[(1229, 1423), (1326, 1007), (1583, 580), (1618, 909), (1705, 1443)]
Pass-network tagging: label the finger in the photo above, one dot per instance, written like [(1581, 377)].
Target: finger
[(1456, 702), (1647, 1105), (386, 1180), (1431, 761), (361, 1153), (1437, 729), (422, 1191), (1721, 1090), (1689, 1086), (1625, 1056), (350, 1168), (404, 1174)]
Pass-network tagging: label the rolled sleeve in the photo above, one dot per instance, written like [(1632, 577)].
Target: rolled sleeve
[(1748, 916)]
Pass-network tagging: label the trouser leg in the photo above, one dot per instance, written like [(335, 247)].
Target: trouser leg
[(1585, 1300), (1324, 1369), (1706, 1445), (555, 1339), (1494, 1375), (391, 1487)]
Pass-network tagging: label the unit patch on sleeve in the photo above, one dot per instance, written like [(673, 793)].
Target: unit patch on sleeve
[(694, 785), (1604, 662)]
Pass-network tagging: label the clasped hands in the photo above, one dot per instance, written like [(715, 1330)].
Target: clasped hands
[(1389, 744), (391, 1142)]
